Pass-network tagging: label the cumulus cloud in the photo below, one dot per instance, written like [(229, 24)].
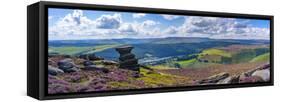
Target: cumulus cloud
[(76, 25), (138, 15), (72, 24), (220, 27), (170, 17), (156, 33), (171, 30), (145, 29), (149, 23), (243, 35), (128, 28), (109, 21)]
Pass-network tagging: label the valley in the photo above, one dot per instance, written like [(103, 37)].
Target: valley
[(94, 65)]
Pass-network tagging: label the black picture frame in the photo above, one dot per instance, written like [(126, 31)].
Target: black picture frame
[(37, 25)]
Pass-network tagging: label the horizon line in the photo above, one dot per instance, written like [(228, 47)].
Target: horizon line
[(159, 38)]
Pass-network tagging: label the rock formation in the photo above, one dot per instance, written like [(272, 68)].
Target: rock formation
[(109, 62), (54, 71), (91, 57), (127, 60), (67, 65), (214, 78), (259, 74)]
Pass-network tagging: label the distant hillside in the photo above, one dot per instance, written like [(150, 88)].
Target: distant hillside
[(156, 47), (223, 55), (261, 58), (168, 40)]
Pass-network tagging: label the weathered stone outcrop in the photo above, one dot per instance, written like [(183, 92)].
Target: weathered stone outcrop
[(127, 60), (259, 74), (91, 57), (67, 65), (214, 78), (54, 71), (109, 62), (88, 65)]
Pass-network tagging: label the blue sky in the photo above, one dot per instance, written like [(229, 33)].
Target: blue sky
[(66, 24)]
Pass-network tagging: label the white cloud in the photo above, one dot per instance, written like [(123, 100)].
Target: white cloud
[(109, 21), (76, 25), (171, 30), (128, 28), (221, 27), (72, 24), (170, 17), (155, 33), (139, 15), (149, 23)]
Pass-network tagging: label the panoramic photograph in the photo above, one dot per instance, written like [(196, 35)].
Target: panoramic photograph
[(92, 51)]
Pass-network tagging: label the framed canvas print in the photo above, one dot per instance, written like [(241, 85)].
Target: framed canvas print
[(83, 50)]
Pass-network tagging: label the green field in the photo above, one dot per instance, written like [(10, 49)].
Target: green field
[(215, 56), (74, 50), (214, 51), (185, 63), (260, 58)]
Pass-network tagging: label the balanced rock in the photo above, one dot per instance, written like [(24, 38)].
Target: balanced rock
[(127, 56), (127, 59)]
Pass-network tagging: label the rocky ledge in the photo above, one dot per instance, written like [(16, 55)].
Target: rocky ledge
[(259, 74)]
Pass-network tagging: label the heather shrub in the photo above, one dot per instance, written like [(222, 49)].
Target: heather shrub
[(56, 85), (76, 77)]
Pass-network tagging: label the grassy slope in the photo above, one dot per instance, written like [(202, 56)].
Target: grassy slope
[(161, 67), (154, 79), (261, 58), (102, 48), (186, 63), (210, 54), (214, 57), (151, 79), (69, 50), (72, 50), (214, 51)]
